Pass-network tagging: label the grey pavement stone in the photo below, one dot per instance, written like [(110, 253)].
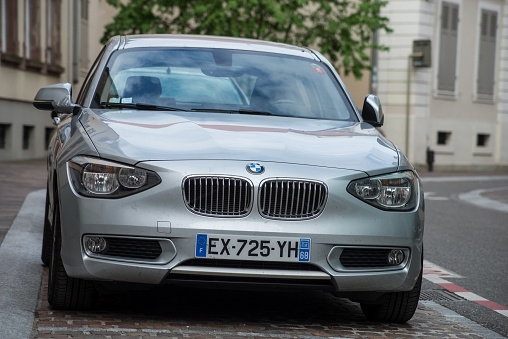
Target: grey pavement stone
[(477, 328)]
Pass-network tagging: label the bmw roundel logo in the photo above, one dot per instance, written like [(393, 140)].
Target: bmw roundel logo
[(255, 168)]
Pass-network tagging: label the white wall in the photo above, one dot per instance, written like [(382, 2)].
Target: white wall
[(463, 115)]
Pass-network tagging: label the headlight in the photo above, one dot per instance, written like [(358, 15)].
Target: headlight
[(396, 191), (98, 178)]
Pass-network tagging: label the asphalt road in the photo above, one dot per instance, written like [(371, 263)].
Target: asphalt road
[(471, 241)]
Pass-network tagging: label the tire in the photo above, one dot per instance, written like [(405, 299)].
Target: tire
[(47, 236), (396, 307), (64, 292)]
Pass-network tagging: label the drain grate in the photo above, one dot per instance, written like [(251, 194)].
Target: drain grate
[(439, 295)]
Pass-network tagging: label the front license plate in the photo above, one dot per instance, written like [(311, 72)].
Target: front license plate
[(252, 248)]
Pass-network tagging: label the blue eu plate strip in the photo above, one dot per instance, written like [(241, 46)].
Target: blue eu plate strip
[(304, 254), (201, 240)]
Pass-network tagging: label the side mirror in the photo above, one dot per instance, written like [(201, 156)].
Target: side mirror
[(55, 98), (372, 111)]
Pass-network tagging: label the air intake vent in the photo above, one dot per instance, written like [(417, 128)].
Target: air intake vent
[(133, 248), (291, 199), (218, 196), (359, 257)]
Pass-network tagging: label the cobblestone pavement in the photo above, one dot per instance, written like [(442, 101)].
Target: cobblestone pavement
[(17, 179), (176, 312)]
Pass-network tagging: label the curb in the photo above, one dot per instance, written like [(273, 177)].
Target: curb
[(21, 269)]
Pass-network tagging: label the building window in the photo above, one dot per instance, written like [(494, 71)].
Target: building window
[(3, 28), (47, 136), (448, 47), (53, 55), (84, 9), (9, 32), (83, 39), (27, 136), (443, 138), (482, 140), (487, 55), (33, 34), (4, 129)]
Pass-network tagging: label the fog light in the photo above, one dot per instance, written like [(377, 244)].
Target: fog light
[(395, 257), (96, 244)]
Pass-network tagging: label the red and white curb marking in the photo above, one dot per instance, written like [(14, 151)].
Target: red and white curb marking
[(436, 275)]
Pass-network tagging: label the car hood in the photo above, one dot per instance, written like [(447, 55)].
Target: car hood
[(133, 136)]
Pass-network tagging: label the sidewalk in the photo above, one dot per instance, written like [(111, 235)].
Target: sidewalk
[(17, 179), (25, 313)]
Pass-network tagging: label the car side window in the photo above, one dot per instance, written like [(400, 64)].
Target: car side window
[(87, 82)]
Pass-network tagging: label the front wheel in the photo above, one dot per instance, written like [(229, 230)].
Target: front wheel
[(395, 307), (64, 292), (47, 241)]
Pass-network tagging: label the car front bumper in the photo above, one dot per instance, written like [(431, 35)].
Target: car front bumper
[(159, 214)]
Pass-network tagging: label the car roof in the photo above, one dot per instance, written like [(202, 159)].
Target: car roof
[(204, 41)]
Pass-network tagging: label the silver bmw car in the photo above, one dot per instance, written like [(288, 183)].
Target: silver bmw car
[(228, 163)]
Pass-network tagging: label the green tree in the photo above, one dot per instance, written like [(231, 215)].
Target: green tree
[(340, 29)]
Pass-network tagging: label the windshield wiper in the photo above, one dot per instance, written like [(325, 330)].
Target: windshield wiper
[(139, 105), (234, 111), (256, 112)]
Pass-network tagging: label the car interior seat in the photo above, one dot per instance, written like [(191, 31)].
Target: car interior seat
[(143, 89)]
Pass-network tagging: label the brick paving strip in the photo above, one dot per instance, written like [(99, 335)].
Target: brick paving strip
[(171, 312)]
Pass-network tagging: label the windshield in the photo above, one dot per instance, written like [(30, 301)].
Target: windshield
[(222, 80)]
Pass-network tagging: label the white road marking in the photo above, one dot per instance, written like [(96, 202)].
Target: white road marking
[(476, 198), (470, 178), (435, 278), (431, 196), (503, 312), (433, 270), (436, 275), (470, 296)]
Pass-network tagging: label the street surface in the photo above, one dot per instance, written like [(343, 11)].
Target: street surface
[(470, 241), (465, 251)]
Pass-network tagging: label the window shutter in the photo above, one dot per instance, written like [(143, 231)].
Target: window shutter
[(11, 12), (35, 30), (448, 46), (487, 54), (56, 54), (83, 39)]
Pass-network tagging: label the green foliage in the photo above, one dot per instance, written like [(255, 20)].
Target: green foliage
[(340, 29)]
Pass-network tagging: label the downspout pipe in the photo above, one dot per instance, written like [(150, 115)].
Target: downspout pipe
[(75, 54), (69, 42), (373, 77)]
